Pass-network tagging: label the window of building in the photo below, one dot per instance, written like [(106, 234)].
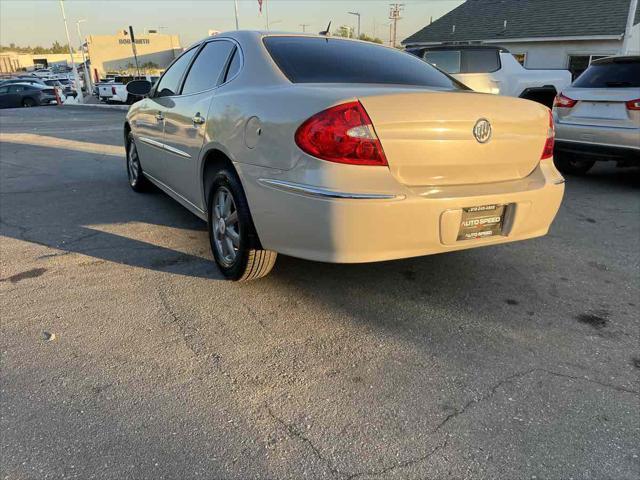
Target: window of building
[(521, 58)]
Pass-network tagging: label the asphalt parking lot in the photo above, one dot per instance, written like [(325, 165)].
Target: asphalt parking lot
[(125, 355)]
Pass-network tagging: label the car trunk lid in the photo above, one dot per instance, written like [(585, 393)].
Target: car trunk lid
[(600, 106), (428, 137)]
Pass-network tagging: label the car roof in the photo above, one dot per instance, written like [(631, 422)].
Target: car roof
[(454, 46), (617, 59)]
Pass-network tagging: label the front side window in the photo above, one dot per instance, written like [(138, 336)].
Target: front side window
[(332, 60), (480, 61), (170, 81), (207, 69)]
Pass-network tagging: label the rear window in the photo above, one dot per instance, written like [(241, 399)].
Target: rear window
[(623, 74), (331, 60)]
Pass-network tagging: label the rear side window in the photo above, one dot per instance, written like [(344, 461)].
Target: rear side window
[(620, 74), (331, 60), (208, 67), (170, 81), (464, 61), (449, 61), (234, 66)]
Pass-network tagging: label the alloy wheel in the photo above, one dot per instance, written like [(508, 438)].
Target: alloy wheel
[(226, 227), (133, 164)]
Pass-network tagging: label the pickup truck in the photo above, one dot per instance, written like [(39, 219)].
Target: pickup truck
[(493, 69), (115, 90)]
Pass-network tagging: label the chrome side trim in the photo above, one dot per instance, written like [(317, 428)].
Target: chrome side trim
[(151, 142), (323, 192), (164, 146), (178, 152)]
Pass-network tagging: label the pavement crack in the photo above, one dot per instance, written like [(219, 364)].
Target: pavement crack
[(494, 388), (293, 432), (490, 393), (590, 380)]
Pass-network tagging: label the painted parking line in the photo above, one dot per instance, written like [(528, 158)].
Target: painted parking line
[(62, 143)]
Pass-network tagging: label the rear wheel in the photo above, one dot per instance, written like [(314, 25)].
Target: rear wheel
[(572, 165), (137, 180), (234, 241), (28, 102)]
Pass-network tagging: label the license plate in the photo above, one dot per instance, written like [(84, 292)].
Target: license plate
[(481, 222)]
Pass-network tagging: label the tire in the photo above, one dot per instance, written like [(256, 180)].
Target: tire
[(234, 241), (28, 102), (571, 165), (137, 181)]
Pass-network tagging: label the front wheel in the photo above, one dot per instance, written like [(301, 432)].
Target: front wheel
[(571, 165), (234, 242)]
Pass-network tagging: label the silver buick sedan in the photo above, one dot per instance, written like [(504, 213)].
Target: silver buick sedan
[(338, 150)]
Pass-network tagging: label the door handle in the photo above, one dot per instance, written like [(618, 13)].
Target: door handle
[(198, 119), (159, 117)]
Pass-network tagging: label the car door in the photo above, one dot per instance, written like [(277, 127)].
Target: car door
[(148, 122), (185, 119), (16, 94), (4, 96)]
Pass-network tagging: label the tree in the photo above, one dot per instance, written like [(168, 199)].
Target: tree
[(347, 32), (367, 38)]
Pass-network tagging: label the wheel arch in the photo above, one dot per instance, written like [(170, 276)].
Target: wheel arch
[(212, 160)]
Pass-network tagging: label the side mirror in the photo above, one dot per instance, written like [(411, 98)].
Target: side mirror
[(139, 87)]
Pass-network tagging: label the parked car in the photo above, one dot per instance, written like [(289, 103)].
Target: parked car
[(30, 81), (492, 69), (65, 89), (116, 90), (598, 117), (338, 150), (25, 95)]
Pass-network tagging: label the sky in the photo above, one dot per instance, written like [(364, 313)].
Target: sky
[(39, 22)]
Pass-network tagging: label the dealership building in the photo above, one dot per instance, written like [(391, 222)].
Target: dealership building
[(114, 53), (560, 34)]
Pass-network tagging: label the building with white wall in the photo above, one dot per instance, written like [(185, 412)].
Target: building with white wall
[(541, 33), (114, 53)]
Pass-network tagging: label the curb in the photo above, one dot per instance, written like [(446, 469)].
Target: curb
[(122, 108)]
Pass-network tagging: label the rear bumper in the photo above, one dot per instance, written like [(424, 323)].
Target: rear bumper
[(605, 136), (334, 226), (599, 152)]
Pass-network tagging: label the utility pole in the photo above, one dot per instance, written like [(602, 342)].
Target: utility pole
[(87, 78), (76, 78), (357, 14), (134, 49), (394, 16), (266, 12), (304, 26)]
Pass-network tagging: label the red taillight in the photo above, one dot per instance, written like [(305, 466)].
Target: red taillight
[(633, 104), (547, 151), (562, 101), (342, 134), (113, 90)]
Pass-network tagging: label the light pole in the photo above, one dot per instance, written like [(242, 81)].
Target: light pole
[(87, 78), (357, 14), (73, 64), (304, 27), (235, 6)]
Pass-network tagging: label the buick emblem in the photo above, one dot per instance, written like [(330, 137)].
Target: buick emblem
[(482, 130)]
